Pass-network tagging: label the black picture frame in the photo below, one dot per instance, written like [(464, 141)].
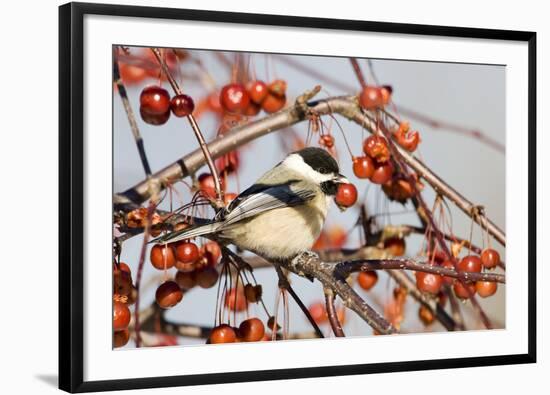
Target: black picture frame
[(71, 203)]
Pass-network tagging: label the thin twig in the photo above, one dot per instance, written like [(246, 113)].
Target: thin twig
[(332, 315), (131, 117), (358, 73), (194, 125), (409, 264), (285, 284)]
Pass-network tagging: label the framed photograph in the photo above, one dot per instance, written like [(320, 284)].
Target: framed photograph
[(253, 197)]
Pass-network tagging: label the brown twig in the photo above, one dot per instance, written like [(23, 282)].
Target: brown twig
[(358, 73), (409, 264), (141, 263), (130, 115), (332, 315)]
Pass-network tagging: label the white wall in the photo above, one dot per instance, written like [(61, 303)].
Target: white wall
[(28, 156)]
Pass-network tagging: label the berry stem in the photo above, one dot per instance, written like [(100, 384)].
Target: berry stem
[(358, 73), (196, 129)]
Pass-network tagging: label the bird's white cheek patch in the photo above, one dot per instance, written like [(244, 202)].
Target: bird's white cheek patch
[(296, 163)]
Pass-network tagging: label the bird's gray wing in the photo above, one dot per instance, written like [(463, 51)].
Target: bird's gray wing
[(261, 198)]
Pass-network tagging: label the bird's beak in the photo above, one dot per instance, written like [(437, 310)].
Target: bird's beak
[(340, 179)]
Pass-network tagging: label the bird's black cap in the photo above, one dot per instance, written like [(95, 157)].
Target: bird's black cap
[(319, 160)]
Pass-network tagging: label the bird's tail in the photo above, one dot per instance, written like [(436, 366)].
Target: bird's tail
[(194, 231)]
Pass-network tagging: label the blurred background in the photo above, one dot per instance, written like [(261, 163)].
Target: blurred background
[(468, 95)]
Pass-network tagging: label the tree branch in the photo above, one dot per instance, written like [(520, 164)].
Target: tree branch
[(310, 266)]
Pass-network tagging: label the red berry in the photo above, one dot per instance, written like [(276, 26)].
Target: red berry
[(131, 74), (409, 140), (187, 252), (228, 162), (448, 265), (168, 294), (395, 246), (383, 173), (399, 190), (371, 98), (273, 103), (425, 315), (236, 300), (318, 312), (377, 148), (363, 167), (429, 282), (228, 198), (154, 100), (385, 93), (486, 288), (469, 263), (162, 256), (490, 258), (251, 330), (257, 90), (154, 119), (234, 98), (346, 196), (327, 140), (252, 110), (122, 282), (182, 105), (222, 334), (206, 277), (277, 88), (461, 291), (367, 279), (186, 280), (253, 293), (121, 316), (124, 267), (120, 338), (212, 252), (206, 184)]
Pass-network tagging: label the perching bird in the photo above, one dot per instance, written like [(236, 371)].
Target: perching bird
[(282, 214)]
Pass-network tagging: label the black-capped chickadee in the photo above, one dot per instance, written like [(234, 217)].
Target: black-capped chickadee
[(282, 214)]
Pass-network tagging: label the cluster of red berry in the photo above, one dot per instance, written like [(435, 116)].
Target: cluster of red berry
[(251, 329), (376, 164), (432, 283), (124, 294), (255, 96), (196, 266), (155, 105), (375, 97)]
